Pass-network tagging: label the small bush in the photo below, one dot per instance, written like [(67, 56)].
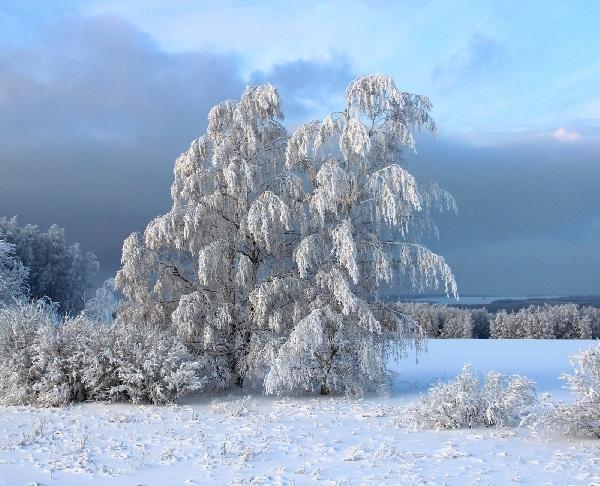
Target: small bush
[(147, 365), (582, 417), (465, 402)]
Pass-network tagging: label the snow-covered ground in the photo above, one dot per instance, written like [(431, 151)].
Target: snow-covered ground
[(232, 439)]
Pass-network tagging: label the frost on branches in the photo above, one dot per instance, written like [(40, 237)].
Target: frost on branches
[(269, 263)]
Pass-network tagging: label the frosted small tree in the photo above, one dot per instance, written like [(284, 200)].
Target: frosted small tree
[(467, 402), (102, 307), (364, 215), (582, 417), (13, 274)]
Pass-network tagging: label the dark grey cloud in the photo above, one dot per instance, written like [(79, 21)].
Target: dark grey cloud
[(479, 57), (91, 117), (529, 214), (93, 113)]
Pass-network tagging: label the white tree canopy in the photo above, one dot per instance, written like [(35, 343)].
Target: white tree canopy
[(270, 260)]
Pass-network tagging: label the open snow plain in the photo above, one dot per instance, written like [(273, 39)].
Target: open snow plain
[(235, 439)]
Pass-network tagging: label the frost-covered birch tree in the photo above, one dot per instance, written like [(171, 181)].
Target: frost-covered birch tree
[(364, 215), (268, 264)]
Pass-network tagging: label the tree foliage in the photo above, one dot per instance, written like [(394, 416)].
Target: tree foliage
[(562, 321), (268, 264), (567, 321)]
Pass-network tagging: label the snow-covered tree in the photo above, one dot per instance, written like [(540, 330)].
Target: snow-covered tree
[(269, 262), (458, 325), (481, 323), (592, 318), (13, 274), (196, 270), (364, 214), (102, 307), (58, 269)]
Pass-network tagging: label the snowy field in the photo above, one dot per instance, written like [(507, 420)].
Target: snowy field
[(232, 439)]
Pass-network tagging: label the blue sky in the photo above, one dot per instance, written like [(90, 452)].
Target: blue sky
[(97, 98), (488, 66)]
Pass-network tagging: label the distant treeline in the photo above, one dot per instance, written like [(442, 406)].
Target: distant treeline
[(561, 321), (513, 305)]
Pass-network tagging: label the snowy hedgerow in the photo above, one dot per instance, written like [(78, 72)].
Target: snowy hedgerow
[(582, 417), (50, 361), (466, 402), (269, 264)]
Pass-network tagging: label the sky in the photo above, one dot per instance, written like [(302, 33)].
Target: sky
[(97, 99)]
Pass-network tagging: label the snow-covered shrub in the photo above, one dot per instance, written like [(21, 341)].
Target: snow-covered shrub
[(44, 357), (466, 402), (582, 417), (51, 361), (21, 327), (142, 365)]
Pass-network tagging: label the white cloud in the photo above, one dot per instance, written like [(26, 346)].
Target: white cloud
[(563, 135)]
